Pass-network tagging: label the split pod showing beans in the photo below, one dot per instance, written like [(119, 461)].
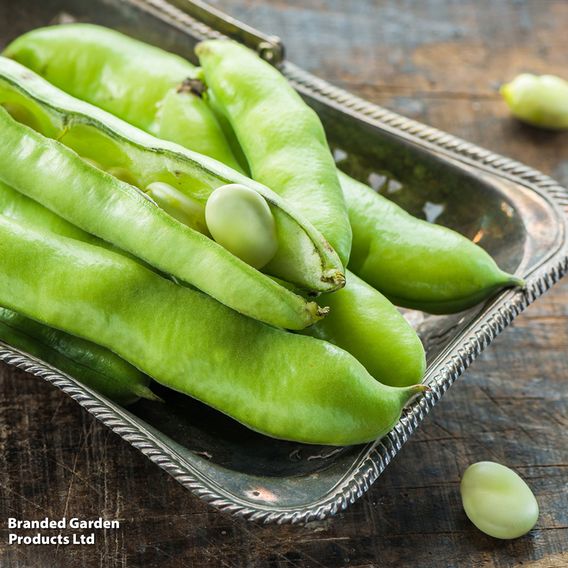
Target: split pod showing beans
[(285, 133), (44, 141), (415, 264), (281, 384)]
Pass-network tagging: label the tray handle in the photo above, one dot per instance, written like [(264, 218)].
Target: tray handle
[(269, 47)]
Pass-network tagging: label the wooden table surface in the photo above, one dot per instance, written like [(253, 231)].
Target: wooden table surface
[(439, 61)]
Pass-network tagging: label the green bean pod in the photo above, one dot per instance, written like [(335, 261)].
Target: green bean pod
[(96, 135), (364, 323), (282, 137), (108, 69), (95, 366), (18, 207), (414, 263), (284, 385)]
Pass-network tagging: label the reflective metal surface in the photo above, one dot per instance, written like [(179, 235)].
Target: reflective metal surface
[(516, 213)]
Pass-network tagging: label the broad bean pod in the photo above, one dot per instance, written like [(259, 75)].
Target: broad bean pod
[(95, 366), (284, 385), (92, 364), (282, 137), (414, 263), (45, 163), (366, 324), (107, 68)]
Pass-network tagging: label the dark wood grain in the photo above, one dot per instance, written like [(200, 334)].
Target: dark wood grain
[(439, 61)]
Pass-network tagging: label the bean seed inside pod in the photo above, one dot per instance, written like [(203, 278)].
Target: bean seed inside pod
[(188, 211), (497, 501), (123, 174), (240, 220)]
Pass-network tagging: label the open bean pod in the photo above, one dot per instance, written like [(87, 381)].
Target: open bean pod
[(55, 148)]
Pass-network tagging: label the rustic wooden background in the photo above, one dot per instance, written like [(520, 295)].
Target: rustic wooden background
[(439, 61)]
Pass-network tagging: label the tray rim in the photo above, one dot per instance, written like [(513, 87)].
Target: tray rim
[(481, 332)]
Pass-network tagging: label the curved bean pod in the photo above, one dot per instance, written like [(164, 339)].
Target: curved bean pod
[(364, 323), (414, 263), (95, 366), (284, 385), (282, 137), (97, 202)]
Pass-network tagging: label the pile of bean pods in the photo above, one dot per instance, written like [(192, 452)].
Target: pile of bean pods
[(189, 225)]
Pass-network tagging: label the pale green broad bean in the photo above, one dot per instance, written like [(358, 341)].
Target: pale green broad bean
[(180, 206), (240, 220), (538, 100), (497, 501)]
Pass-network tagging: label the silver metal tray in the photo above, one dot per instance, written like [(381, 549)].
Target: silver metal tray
[(518, 214)]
